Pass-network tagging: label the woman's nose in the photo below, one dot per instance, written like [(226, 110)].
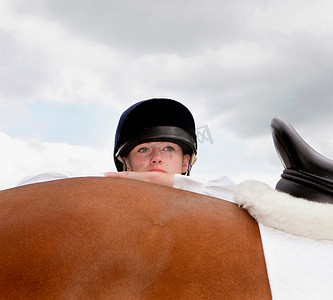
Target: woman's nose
[(156, 157)]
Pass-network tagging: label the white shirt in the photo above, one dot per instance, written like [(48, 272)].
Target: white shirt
[(221, 187)]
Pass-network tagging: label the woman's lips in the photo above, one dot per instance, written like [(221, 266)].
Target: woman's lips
[(157, 170)]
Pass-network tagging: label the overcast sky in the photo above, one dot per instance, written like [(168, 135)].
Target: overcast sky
[(69, 68)]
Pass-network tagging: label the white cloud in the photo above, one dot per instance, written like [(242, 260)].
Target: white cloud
[(46, 62), (241, 55), (150, 26), (295, 16), (27, 157)]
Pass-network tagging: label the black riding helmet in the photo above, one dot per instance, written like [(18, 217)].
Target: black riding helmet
[(151, 120)]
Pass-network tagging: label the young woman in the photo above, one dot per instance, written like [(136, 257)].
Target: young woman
[(156, 142)]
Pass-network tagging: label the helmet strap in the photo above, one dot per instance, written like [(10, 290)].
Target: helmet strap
[(123, 162), (193, 159)]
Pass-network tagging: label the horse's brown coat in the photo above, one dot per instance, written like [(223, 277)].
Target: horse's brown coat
[(101, 238)]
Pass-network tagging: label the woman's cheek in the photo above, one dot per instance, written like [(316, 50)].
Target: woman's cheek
[(138, 164)]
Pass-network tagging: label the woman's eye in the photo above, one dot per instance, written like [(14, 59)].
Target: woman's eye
[(143, 149), (169, 148)]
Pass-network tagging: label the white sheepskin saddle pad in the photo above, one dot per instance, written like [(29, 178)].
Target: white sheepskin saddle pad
[(284, 212)]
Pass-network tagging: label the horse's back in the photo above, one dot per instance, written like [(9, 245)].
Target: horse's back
[(89, 238)]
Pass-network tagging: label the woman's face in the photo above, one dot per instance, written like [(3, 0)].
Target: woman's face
[(165, 157)]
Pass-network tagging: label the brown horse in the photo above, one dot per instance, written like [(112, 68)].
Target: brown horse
[(100, 238)]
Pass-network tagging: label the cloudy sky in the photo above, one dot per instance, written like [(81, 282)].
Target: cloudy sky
[(69, 68)]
